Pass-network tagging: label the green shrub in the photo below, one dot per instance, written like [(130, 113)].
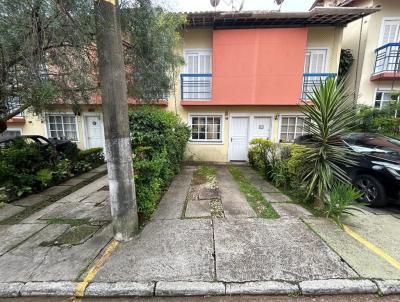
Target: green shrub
[(340, 201), (19, 165), (258, 152), (158, 139), (71, 152), (283, 165), (94, 156), (26, 168)]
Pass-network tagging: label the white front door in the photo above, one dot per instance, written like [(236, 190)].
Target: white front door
[(239, 138), (94, 131), (261, 127)]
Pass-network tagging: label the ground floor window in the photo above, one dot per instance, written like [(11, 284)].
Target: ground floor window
[(62, 126), (292, 126), (382, 98), (206, 127), (10, 132)]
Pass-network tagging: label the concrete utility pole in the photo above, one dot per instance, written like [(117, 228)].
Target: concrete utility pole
[(115, 112)]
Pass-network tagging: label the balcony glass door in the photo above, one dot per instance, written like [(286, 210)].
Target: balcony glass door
[(390, 54), (198, 62), (314, 67)]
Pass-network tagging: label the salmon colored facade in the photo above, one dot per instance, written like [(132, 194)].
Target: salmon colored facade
[(262, 66)]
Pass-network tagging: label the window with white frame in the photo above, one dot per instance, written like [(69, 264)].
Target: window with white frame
[(11, 132), (292, 126), (206, 128), (390, 32), (62, 126), (315, 60), (382, 98), (197, 80)]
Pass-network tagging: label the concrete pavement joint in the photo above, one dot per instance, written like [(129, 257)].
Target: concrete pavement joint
[(332, 249)]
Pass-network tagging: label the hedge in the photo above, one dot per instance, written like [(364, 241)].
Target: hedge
[(158, 139), (26, 168)]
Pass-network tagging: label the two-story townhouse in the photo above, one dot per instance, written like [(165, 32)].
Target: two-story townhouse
[(246, 73), (244, 77), (375, 44)]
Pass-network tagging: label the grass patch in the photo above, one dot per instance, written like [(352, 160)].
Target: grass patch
[(71, 222), (204, 174), (254, 197)]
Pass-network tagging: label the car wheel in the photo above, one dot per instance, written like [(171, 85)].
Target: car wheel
[(373, 191)]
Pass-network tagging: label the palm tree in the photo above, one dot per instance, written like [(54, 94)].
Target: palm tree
[(329, 114)]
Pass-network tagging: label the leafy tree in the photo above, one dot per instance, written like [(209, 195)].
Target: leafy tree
[(153, 40), (329, 115), (48, 53), (45, 54)]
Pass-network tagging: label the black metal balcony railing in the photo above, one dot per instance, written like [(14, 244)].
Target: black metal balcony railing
[(387, 58), (312, 80), (196, 86)]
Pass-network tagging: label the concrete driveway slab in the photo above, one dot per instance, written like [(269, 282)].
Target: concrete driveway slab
[(290, 210), (8, 210), (198, 208), (172, 203), (30, 200), (67, 262), (257, 180), (233, 200), (166, 250), (12, 235), (276, 197), (86, 191), (257, 250), (363, 261), (21, 262)]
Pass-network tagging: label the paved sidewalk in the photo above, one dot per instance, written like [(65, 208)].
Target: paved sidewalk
[(227, 250)]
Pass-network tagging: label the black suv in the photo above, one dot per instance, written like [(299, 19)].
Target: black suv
[(377, 170), (43, 142)]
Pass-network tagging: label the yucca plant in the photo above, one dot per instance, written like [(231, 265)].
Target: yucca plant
[(329, 113)]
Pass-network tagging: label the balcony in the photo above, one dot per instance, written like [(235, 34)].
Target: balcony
[(312, 80), (196, 86), (387, 62)]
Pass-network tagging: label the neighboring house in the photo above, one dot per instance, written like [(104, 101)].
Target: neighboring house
[(375, 44), (245, 74)]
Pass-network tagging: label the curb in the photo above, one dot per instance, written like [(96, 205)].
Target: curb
[(171, 289), (122, 289), (184, 288), (337, 286), (261, 288), (61, 288)]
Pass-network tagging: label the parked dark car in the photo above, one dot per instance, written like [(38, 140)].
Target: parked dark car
[(377, 170), (44, 143)]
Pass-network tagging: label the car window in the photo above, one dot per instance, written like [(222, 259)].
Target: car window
[(30, 140), (42, 141), (372, 143)]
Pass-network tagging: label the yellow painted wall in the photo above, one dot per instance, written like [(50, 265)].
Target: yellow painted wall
[(365, 88), (329, 38), (36, 125)]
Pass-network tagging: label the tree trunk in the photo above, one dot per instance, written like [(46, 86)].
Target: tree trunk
[(115, 111)]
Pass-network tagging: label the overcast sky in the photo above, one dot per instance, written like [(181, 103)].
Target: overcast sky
[(204, 5)]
